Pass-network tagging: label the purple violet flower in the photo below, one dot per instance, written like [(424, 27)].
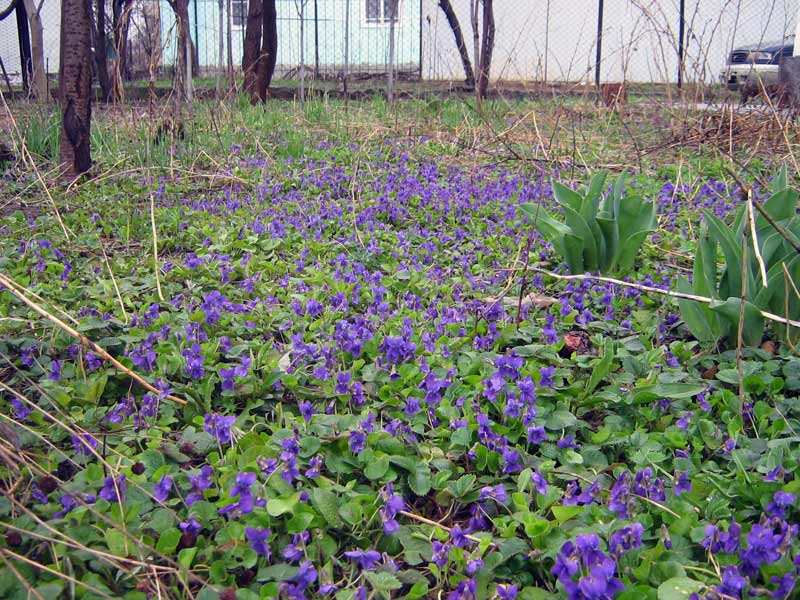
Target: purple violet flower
[(114, 488), (258, 540), (162, 488), (367, 559)]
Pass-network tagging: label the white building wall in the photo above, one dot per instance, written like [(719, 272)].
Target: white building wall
[(557, 38)]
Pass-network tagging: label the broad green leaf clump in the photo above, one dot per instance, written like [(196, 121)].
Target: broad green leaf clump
[(597, 233), (777, 294)]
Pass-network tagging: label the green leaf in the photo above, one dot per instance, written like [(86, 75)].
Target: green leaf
[(50, 591), (327, 504), (732, 250), (277, 572), (596, 186), (616, 195), (678, 588), (280, 506), (416, 548), (780, 206), (96, 386), (567, 197), (730, 309), (560, 419), (463, 486), (536, 526), (601, 368), (565, 513), (117, 542), (628, 249), (701, 321), (420, 480), (418, 590), (636, 214), (186, 557), (674, 391), (780, 181), (609, 229), (377, 467), (551, 229), (383, 581), (573, 253), (583, 231), (168, 541), (705, 266), (535, 593)]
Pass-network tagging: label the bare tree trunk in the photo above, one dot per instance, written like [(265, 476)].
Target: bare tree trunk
[(221, 56), (268, 58), (302, 14), (121, 16), (487, 48), (183, 67), (476, 36), (252, 45), (101, 49), (231, 78), (392, 28), (39, 74), (452, 20), (154, 39), (346, 73), (193, 51), (24, 36), (75, 82), (188, 82)]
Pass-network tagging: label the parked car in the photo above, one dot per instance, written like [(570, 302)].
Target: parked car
[(754, 66)]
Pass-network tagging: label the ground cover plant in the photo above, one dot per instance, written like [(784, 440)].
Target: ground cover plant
[(369, 376)]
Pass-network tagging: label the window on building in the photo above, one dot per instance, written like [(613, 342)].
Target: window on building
[(239, 13), (380, 11)]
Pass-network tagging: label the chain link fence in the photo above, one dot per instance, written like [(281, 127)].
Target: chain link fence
[(582, 42)]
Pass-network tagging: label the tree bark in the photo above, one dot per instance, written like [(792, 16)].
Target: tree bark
[(24, 36), (183, 66), (346, 71), (302, 15), (101, 49), (252, 45), (121, 18), (474, 6), (75, 83), (390, 71), (265, 68), (231, 78), (221, 40), (487, 48), (39, 74), (452, 20)]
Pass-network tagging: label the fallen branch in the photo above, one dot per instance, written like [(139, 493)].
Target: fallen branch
[(23, 290), (646, 288), (12, 287)]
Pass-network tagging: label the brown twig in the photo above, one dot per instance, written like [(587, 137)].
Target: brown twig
[(646, 288), (760, 208), (155, 246), (114, 281)]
